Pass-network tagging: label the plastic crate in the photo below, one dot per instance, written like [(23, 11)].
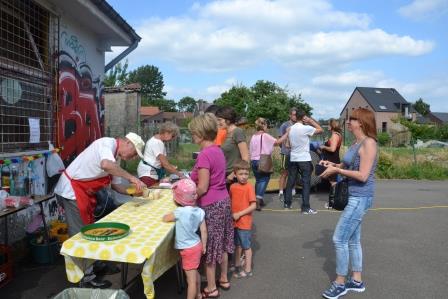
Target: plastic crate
[(6, 273)]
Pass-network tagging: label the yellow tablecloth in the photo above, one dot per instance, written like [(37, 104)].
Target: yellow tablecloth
[(150, 241)]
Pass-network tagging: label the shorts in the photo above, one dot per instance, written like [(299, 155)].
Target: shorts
[(243, 238), (191, 257), (284, 159), (149, 181)]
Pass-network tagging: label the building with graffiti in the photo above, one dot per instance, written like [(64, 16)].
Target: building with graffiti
[(52, 66)]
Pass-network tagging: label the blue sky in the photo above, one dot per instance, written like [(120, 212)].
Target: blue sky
[(321, 49)]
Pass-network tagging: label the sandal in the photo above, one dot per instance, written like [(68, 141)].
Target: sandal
[(224, 285), (243, 274), (207, 294)]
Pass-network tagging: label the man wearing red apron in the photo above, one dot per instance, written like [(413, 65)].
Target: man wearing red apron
[(95, 168)]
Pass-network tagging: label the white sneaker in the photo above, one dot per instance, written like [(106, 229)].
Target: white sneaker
[(309, 212)]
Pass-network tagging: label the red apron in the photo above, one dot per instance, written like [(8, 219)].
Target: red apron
[(85, 191)]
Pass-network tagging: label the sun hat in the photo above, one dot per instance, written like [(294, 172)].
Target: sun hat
[(137, 141), (184, 192)]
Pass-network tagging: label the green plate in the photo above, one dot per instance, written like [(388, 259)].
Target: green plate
[(106, 231)]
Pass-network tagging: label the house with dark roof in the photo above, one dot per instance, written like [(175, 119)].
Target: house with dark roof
[(387, 104), (438, 118)]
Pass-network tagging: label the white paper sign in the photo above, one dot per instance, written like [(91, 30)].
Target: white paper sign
[(34, 124)]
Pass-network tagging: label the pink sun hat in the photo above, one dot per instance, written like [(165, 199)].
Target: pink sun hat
[(184, 192)]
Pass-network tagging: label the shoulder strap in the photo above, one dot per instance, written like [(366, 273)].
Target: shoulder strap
[(356, 153), (261, 143), (146, 163)]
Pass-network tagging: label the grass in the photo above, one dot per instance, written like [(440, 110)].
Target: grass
[(399, 163), (393, 163)]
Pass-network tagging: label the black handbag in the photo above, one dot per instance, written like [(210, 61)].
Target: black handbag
[(341, 188)]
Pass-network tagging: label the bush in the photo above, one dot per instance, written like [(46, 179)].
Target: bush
[(383, 138)]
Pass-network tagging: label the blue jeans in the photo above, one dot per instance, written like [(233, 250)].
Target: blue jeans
[(261, 179), (305, 169), (347, 235)]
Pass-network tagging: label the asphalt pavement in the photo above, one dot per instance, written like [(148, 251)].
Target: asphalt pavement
[(404, 238)]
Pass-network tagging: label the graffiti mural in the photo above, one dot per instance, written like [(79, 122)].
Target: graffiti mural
[(81, 100)]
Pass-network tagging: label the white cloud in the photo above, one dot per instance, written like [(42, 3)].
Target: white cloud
[(303, 14), (349, 79), (424, 9), (214, 91), (236, 34), (347, 46)]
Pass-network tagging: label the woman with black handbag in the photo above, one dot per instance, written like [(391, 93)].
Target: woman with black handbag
[(330, 152), (260, 148), (361, 159)]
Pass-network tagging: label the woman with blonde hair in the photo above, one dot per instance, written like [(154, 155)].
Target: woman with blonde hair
[(152, 167), (361, 188), (209, 174), (261, 143), (330, 152)]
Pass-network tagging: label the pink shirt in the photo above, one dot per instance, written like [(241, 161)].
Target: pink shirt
[(266, 149), (212, 158)]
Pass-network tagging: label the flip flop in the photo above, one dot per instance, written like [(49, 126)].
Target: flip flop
[(206, 294), (222, 283)]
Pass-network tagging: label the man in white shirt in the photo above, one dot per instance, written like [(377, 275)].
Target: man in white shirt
[(95, 168), (300, 159)]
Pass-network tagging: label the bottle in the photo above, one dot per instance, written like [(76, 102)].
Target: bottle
[(6, 171)]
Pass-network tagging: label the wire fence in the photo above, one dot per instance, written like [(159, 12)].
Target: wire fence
[(29, 39)]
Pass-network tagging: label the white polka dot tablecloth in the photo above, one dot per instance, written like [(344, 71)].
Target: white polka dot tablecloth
[(150, 241)]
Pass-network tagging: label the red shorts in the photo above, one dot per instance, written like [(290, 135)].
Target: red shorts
[(149, 181), (191, 257)]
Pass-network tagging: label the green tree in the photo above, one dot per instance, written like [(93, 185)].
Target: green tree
[(238, 97), (421, 107), (117, 76), (151, 80), (273, 102), (264, 99), (186, 104)]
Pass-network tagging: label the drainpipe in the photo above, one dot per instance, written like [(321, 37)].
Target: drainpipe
[(122, 55)]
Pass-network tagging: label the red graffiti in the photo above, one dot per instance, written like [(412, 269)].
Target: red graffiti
[(80, 120)]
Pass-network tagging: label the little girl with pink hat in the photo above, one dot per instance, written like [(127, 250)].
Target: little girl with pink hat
[(188, 218)]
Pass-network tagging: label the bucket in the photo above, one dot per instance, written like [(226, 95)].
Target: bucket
[(44, 253)]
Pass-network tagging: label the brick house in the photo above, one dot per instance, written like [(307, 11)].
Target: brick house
[(387, 104)]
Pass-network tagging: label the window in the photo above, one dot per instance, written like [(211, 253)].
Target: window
[(382, 107), (377, 91), (28, 40), (384, 127)]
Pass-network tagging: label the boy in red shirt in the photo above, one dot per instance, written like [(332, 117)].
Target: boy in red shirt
[(243, 199)]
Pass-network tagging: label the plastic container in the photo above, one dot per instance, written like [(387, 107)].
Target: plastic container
[(6, 273), (78, 293), (44, 253)]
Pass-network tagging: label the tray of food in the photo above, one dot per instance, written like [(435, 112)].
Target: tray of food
[(105, 231)]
